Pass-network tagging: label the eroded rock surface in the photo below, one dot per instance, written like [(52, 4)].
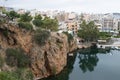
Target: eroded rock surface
[(46, 60)]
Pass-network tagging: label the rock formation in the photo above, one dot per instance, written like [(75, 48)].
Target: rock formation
[(46, 60)]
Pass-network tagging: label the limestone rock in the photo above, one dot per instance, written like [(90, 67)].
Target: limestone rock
[(46, 60)]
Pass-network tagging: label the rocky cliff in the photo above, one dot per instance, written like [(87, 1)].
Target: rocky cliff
[(45, 60), (52, 57)]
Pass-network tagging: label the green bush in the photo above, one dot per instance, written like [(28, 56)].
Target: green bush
[(7, 76), (104, 35), (19, 74), (12, 15), (41, 37), (2, 20), (16, 57), (117, 36), (38, 22), (25, 25), (25, 17), (51, 24), (23, 74), (5, 33)]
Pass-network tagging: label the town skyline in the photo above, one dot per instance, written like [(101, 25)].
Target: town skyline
[(79, 6)]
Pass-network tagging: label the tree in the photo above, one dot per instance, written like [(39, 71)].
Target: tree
[(38, 17), (46, 23), (25, 17), (12, 15), (38, 21), (89, 31), (25, 25), (25, 21), (41, 37), (51, 24)]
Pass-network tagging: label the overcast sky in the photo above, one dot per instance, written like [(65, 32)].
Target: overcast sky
[(88, 6)]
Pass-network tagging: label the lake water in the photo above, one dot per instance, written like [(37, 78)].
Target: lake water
[(91, 64)]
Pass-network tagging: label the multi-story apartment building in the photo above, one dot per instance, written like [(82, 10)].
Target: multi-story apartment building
[(111, 22), (104, 22), (72, 26), (108, 24), (72, 23), (68, 21)]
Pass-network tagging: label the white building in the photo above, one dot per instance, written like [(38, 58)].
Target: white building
[(34, 12), (21, 11)]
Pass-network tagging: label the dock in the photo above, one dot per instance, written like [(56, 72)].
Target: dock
[(113, 46)]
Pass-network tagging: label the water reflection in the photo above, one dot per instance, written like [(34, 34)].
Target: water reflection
[(89, 59)]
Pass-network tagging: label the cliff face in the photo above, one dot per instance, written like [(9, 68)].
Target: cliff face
[(52, 57), (46, 60)]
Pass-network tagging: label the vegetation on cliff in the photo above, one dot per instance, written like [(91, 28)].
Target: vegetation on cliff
[(12, 15), (19, 74), (25, 25), (38, 21), (26, 21), (41, 37), (25, 17), (45, 23), (17, 57), (2, 20)]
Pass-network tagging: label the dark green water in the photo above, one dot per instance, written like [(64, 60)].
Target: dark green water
[(91, 64)]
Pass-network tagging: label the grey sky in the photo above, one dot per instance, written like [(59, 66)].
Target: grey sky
[(89, 6)]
